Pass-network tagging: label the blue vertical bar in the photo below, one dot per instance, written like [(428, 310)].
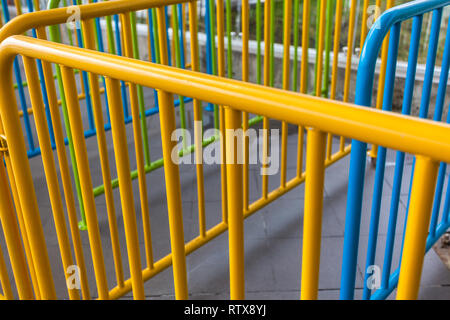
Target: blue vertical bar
[(101, 48), (210, 106), (86, 82), (169, 51), (446, 212), (19, 81), (153, 49), (440, 98), (123, 86), (381, 158), (427, 85), (400, 156), (43, 87), (180, 35)]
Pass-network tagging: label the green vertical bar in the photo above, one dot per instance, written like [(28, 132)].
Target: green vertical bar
[(272, 42), (295, 34), (316, 43), (229, 48), (326, 71), (156, 36), (109, 31), (176, 40), (213, 56), (258, 41), (141, 100), (55, 37), (69, 33)]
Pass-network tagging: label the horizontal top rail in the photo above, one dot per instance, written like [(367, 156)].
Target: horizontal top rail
[(400, 132), (376, 36), (44, 18)]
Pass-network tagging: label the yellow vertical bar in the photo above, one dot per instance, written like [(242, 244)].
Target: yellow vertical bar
[(138, 143), (64, 169), (265, 177), (312, 225), (348, 67), (23, 232), (4, 278), (382, 76), (323, 9), (37, 5), (49, 169), (88, 33), (235, 205), (303, 80), (85, 180), (126, 189), (286, 63), (221, 73), (171, 170), (364, 24), (422, 192), (149, 43), (12, 238), (245, 73), (184, 30), (25, 188), (336, 49), (198, 132), (305, 47), (18, 6)]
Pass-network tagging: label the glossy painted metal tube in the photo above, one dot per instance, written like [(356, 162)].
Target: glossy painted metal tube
[(139, 142), (229, 40), (400, 156), (233, 120), (104, 161), (50, 169), (43, 88), (85, 181), (381, 159), (334, 68), (348, 67), (312, 224), (4, 278), (23, 177), (140, 93), (221, 72), (198, 134), (440, 98), (65, 173), (326, 67), (126, 193), (286, 64), (427, 82), (171, 170), (267, 81), (18, 76), (320, 48), (417, 228), (258, 42), (384, 56), (13, 242), (356, 122), (54, 36), (245, 74), (303, 79), (295, 36)]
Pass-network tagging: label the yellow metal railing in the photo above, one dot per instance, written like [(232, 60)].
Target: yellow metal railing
[(428, 140)]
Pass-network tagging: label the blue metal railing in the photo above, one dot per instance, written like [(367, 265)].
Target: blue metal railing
[(391, 21)]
